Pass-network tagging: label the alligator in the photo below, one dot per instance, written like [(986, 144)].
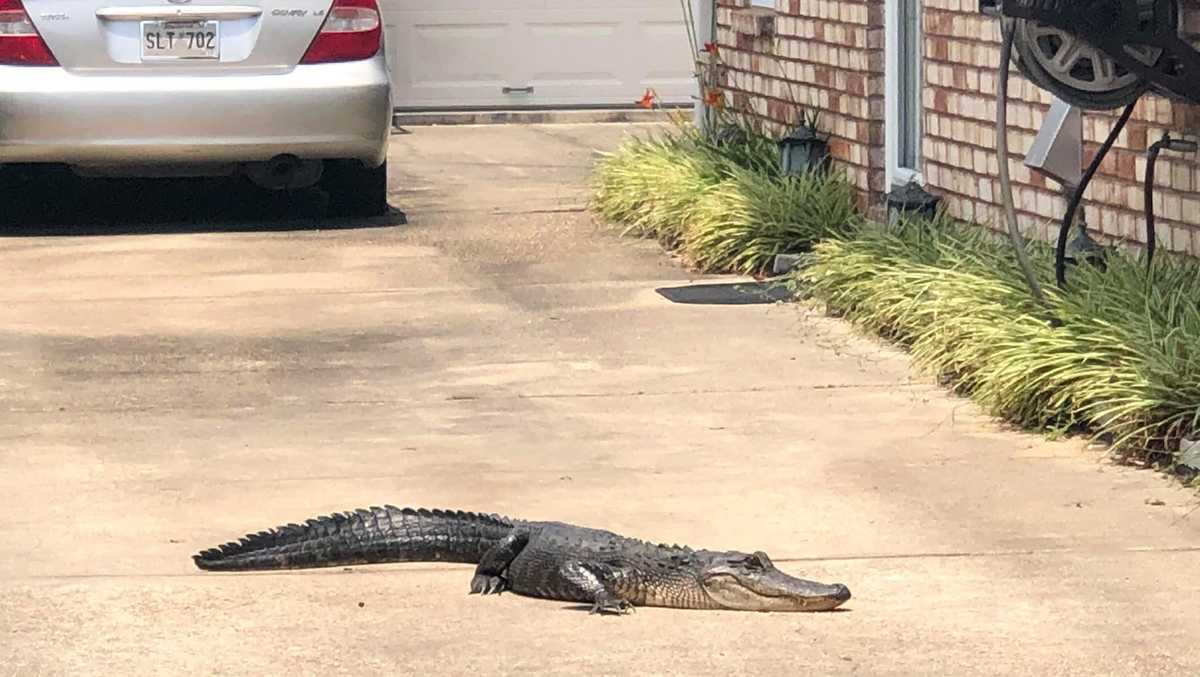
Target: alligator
[(548, 560)]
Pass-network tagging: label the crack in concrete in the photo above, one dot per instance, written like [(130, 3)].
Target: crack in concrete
[(424, 164), (694, 391), (382, 291), (568, 209), (472, 398)]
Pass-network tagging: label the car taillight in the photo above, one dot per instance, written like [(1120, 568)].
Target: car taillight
[(20, 44), (352, 31)]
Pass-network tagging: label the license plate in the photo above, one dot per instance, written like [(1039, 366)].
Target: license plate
[(169, 40)]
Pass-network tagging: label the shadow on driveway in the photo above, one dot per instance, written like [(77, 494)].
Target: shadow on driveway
[(54, 202)]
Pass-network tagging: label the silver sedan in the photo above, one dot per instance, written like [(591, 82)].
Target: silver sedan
[(291, 93)]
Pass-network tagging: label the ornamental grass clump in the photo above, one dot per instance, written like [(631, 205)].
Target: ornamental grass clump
[(741, 223), (651, 187), (720, 200), (1117, 354)]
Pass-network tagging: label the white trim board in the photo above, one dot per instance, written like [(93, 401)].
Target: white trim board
[(894, 174)]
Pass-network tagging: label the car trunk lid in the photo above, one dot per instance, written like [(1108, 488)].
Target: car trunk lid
[(178, 36)]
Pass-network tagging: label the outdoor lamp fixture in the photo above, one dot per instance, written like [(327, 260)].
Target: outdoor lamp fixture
[(803, 151), (1083, 249)]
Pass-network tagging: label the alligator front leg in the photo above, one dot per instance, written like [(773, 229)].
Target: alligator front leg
[(594, 581), (490, 573)]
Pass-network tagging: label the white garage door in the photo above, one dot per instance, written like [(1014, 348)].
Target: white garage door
[(521, 53)]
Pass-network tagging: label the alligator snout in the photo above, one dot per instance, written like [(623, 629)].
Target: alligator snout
[(840, 592), (820, 597)]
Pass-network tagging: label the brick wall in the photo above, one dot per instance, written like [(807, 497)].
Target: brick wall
[(823, 54), (832, 54), (962, 49)]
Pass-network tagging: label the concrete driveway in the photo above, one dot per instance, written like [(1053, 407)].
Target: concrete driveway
[(165, 387)]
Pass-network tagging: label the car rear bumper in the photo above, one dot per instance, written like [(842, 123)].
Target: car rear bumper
[(325, 111)]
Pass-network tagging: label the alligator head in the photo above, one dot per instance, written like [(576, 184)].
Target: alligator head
[(742, 582)]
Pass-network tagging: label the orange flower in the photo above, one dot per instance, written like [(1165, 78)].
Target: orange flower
[(647, 100), (715, 98)]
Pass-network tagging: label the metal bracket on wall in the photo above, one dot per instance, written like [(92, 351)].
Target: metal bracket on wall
[(1057, 151)]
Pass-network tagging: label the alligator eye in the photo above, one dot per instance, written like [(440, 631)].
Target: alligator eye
[(749, 562)]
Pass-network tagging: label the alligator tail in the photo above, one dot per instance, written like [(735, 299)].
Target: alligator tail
[(387, 534)]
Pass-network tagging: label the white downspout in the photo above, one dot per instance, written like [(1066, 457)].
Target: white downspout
[(702, 11)]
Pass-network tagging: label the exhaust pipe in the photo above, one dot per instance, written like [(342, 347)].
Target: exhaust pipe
[(285, 172)]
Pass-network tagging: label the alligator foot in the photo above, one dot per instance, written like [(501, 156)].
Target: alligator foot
[(488, 585), (489, 575), (591, 580), (607, 603), (495, 564)]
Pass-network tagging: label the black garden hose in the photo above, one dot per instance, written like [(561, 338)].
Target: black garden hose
[(1060, 252), (1167, 143), (1151, 235)]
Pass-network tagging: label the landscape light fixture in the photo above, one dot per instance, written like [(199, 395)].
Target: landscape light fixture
[(912, 200), (803, 151)]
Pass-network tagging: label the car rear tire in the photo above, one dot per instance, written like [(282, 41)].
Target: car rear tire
[(355, 189)]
